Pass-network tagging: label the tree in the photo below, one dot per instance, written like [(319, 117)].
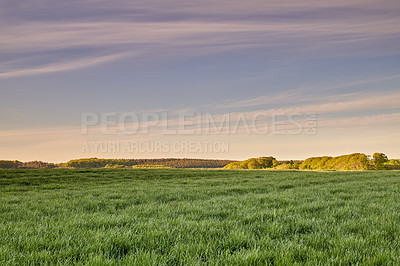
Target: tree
[(355, 161), (267, 162), (253, 164), (379, 160)]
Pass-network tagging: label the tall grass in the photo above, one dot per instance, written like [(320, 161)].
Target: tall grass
[(173, 217)]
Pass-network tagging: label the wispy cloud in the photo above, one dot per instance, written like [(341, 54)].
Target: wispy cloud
[(360, 103), (151, 28), (307, 93), (62, 66), (41, 36)]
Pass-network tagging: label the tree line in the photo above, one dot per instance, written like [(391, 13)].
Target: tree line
[(355, 161), (26, 165), (166, 162), (117, 163), (264, 163)]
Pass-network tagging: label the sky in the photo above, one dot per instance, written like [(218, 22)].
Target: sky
[(321, 76)]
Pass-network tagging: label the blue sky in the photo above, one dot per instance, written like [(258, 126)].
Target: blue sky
[(338, 59)]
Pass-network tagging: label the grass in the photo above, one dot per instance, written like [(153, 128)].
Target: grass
[(195, 217)]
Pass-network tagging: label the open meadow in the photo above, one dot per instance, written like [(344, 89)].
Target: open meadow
[(181, 216)]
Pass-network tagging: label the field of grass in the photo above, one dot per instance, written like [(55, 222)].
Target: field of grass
[(173, 217)]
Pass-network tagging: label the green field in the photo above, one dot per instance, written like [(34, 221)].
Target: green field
[(173, 217)]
